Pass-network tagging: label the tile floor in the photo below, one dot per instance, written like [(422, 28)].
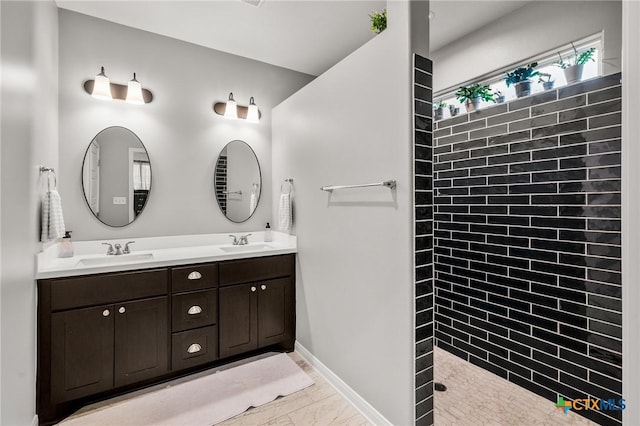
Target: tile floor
[(488, 400), (475, 397)]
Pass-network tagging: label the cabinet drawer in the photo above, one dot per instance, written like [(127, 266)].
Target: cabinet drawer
[(194, 309), (194, 277), (194, 347), (104, 289), (256, 269)]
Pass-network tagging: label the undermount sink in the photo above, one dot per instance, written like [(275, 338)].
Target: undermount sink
[(111, 260), (248, 247)]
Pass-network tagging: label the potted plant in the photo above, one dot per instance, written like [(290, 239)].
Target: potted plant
[(438, 110), (521, 78), (498, 97), (453, 110), (545, 79), (378, 21), (573, 72), (472, 95)]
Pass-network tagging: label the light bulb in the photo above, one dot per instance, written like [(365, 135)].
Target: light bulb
[(231, 110), (134, 92), (102, 86), (252, 114)]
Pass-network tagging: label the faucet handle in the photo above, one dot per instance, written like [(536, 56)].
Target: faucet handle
[(235, 239), (244, 240), (126, 247), (110, 249)]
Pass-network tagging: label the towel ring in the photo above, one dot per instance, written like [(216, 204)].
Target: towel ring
[(290, 182), (50, 172)]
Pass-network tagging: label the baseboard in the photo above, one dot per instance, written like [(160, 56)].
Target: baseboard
[(34, 422), (366, 409)]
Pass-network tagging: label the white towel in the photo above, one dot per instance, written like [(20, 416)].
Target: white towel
[(253, 200), (285, 218), (52, 220)]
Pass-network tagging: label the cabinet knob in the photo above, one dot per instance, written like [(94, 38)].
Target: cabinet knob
[(263, 287), (194, 310), (195, 275), (105, 313), (253, 288), (122, 310), (193, 348)]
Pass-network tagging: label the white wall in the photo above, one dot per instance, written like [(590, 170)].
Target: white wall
[(179, 129), (630, 212), (355, 269), (29, 128), (538, 27)]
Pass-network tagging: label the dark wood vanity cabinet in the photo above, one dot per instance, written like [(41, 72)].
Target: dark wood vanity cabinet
[(261, 312), (99, 335)]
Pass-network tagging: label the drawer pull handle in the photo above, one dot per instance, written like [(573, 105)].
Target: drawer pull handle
[(193, 348), (195, 275), (263, 287), (253, 288), (122, 310), (105, 313), (194, 310)]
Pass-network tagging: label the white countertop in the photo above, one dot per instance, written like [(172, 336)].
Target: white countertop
[(155, 252)]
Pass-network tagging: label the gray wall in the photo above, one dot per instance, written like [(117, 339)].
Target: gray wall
[(538, 27), (355, 268), (29, 135), (179, 129)]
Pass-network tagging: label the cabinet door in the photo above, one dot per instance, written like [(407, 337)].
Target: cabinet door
[(238, 319), (275, 311), (81, 352), (141, 340)]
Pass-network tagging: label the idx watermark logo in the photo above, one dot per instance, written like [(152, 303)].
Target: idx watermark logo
[(593, 404)]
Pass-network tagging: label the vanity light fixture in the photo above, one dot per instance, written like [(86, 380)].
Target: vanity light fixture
[(232, 110), (102, 88), (134, 92)]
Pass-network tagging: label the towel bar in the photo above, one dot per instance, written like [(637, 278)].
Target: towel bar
[(391, 184)]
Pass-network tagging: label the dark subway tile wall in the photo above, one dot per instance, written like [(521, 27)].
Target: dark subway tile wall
[(527, 241), (424, 234)]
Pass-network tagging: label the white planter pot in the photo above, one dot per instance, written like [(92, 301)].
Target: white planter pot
[(573, 74)]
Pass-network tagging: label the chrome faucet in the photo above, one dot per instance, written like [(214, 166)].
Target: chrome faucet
[(240, 241), (118, 249)]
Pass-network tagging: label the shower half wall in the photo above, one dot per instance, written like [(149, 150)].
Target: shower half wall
[(527, 241)]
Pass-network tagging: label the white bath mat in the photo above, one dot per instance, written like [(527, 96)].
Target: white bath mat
[(206, 400)]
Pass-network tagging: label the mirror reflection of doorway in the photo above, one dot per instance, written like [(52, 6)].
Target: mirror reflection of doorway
[(139, 181)]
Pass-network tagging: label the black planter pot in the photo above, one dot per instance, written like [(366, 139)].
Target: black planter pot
[(523, 88)]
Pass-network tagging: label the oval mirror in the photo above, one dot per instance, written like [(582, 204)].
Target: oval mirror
[(116, 176), (237, 181)]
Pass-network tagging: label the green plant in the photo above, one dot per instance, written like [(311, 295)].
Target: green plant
[(475, 91), (579, 58), (378, 21), (522, 74)]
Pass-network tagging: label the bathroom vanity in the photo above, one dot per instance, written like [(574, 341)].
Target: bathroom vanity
[(106, 328)]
